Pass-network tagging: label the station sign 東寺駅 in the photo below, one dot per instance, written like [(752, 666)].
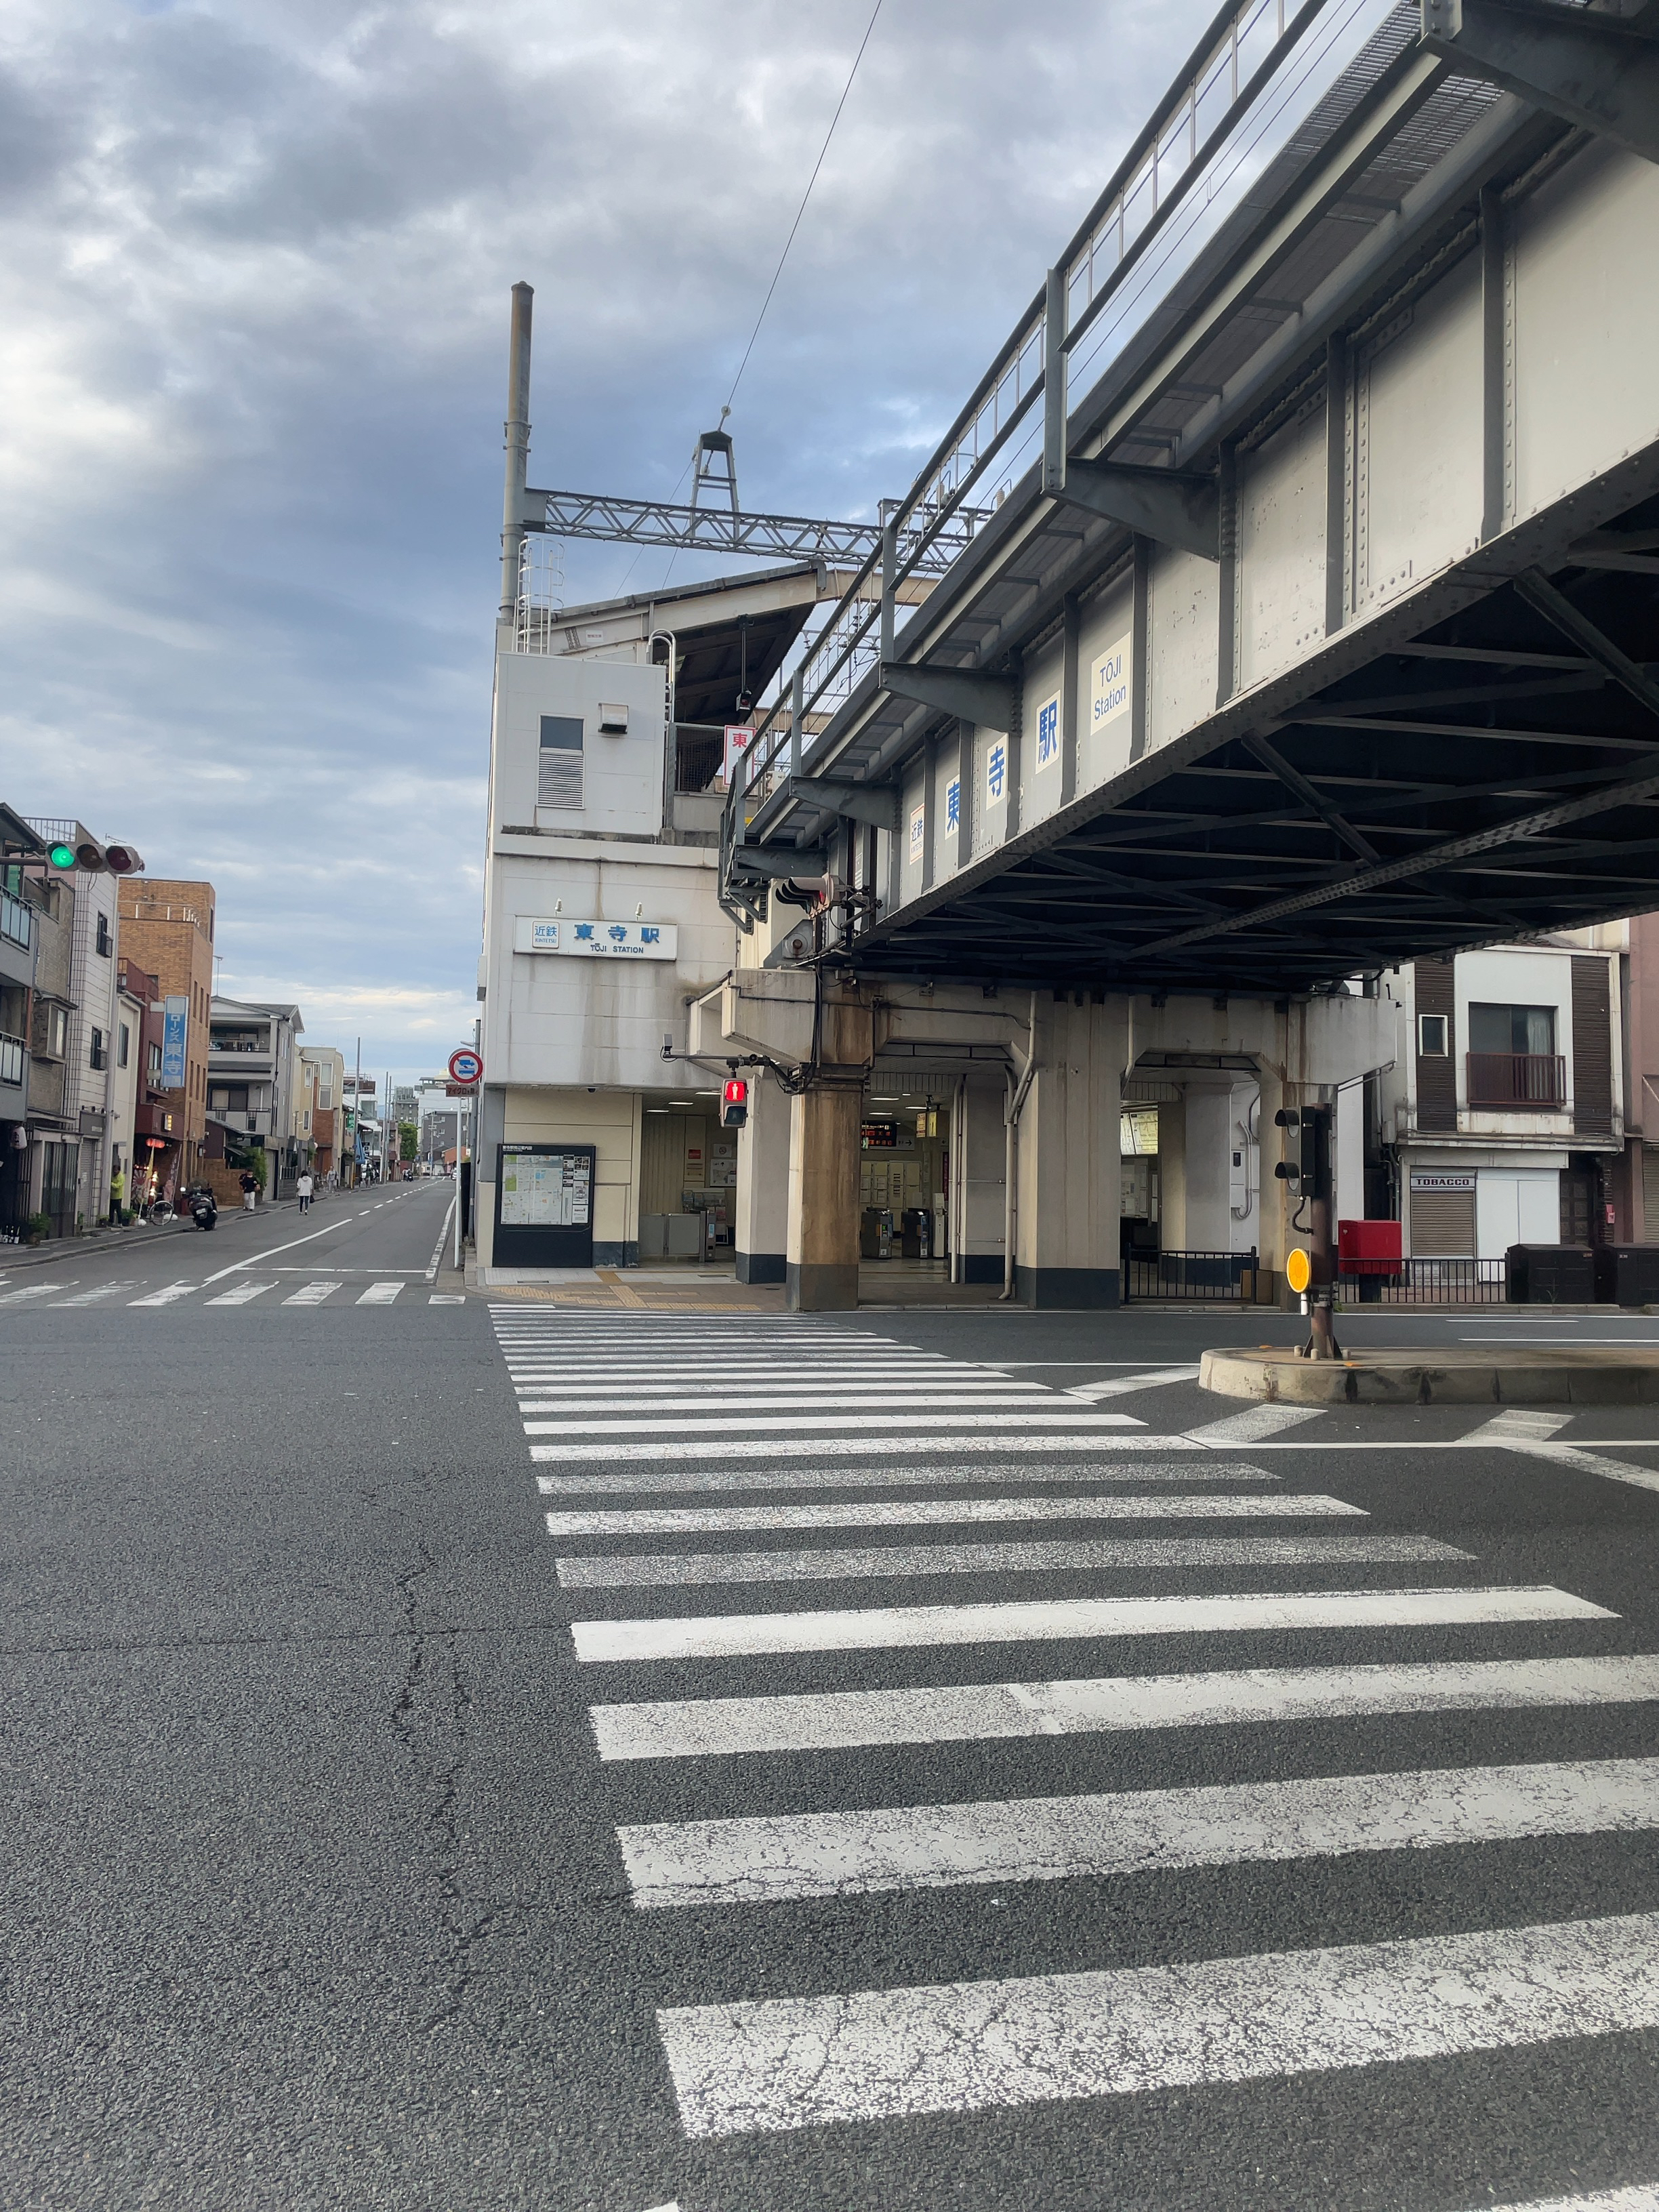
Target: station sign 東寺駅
[(597, 940)]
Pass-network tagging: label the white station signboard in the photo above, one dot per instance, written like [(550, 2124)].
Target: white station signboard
[(597, 940)]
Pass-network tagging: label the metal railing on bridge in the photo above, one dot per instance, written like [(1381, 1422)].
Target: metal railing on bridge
[(1263, 70)]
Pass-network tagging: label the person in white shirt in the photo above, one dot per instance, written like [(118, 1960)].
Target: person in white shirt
[(304, 1187)]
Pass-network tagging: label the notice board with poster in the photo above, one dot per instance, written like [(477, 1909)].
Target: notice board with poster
[(544, 1206)]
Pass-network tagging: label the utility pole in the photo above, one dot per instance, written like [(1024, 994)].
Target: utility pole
[(357, 1114)]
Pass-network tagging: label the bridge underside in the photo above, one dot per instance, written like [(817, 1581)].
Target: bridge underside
[(1483, 778)]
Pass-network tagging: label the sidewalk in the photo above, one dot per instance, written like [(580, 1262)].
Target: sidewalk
[(13, 1256)]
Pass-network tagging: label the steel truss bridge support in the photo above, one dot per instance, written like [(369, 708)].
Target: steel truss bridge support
[(712, 530)]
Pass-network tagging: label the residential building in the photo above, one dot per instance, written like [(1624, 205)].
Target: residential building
[(18, 937), (440, 1133), (53, 1116), (323, 1072), (158, 1118), (254, 1090), (130, 1148), (166, 929), (88, 1068), (1501, 1121)]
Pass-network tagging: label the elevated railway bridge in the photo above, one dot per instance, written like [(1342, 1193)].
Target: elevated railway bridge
[(1314, 630)]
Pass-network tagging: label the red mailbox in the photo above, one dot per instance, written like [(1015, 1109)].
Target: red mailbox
[(1369, 1248)]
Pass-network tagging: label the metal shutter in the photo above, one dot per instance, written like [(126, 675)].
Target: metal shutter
[(1443, 1221), (1592, 1048), (1435, 990)]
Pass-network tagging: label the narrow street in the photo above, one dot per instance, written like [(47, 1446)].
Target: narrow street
[(480, 1755)]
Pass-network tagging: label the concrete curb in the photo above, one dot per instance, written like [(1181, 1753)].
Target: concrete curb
[(1546, 1375)]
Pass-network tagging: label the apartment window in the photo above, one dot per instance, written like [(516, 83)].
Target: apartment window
[(1512, 1060), (104, 941), (123, 1045), (559, 780), (153, 1065), (97, 1056), (1432, 1041), (57, 1032), (1511, 1029)]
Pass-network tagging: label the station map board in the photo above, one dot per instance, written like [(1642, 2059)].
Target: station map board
[(544, 1206)]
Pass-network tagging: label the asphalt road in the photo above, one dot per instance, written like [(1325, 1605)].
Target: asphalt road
[(318, 1890)]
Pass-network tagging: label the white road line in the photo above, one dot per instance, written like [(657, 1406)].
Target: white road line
[(931, 1512), (775, 1447), (851, 1854), (1586, 1462), (1515, 1421), (774, 1424), (1643, 2197), (669, 1569), (167, 1297), (852, 1720), (92, 1297), (803, 2062), (380, 1294), (443, 1239), (311, 1294), (1120, 1386), (242, 1295), (447, 1298), (666, 1479), (887, 1628), (804, 1400), (1254, 1423), (674, 1374), (264, 1259), (35, 1291)]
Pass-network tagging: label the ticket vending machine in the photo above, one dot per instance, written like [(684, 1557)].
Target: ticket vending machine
[(544, 1206)]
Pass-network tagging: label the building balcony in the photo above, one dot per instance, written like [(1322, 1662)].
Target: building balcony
[(1517, 1082)]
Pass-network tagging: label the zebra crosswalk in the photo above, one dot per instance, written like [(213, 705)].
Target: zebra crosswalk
[(672, 1459), (222, 1292)]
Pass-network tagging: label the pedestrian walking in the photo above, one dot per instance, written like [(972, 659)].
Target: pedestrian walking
[(304, 1187), (250, 1189)]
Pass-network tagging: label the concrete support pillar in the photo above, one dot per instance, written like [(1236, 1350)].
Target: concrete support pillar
[(822, 1246), (760, 1225), (1273, 1237), (1173, 1224), (1068, 1179), (978, 1193)]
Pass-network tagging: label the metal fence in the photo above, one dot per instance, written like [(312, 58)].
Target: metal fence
[(1192, 1278), (1430, 1283)]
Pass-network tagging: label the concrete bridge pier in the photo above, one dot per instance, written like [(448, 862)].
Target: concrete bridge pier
[(822, 1248), (760, 1221), (1068, 1182), (978, 1170)]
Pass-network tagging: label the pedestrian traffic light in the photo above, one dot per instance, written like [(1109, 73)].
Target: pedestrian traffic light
[(734, 1103)]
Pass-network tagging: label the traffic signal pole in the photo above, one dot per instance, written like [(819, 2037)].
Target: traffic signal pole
[(1309, 1176)]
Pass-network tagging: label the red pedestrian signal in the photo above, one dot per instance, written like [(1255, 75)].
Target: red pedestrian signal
[(734, 1103)]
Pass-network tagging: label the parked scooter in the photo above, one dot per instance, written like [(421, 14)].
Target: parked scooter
[(204, 1209)]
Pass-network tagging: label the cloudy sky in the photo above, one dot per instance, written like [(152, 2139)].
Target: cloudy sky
[(254, 264)]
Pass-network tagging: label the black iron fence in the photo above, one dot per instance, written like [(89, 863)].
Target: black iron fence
[(1192, 1277), (1429, 1283)]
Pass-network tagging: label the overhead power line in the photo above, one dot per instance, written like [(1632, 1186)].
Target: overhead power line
[(804, 197)]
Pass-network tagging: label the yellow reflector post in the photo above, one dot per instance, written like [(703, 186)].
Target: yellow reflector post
[(1298, 1271)]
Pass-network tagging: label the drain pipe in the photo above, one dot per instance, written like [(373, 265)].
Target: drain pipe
[(1011, 1114)]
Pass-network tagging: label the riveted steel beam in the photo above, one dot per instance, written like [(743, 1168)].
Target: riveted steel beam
[(1598, 71), (1172, 509), (987, 701)]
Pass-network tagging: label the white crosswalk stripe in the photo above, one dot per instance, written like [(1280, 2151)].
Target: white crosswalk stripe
[(244, 1294), (849, 1720), (380, 1294), (637, 1570), (310, 1294), (804, 2062), (169, 1296), (748, 1861), (28, 1291), (94, 1297), (826, 1454)]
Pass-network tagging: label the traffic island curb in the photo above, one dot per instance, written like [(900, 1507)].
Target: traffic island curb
[(1546, 1375)]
